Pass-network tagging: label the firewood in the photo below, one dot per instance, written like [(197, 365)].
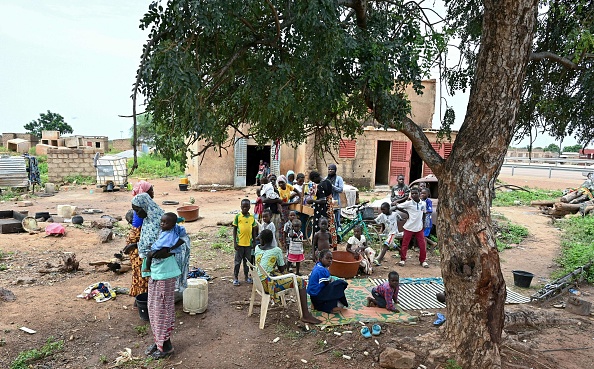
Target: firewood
[(543, 202), (569, 208), (570, 196)]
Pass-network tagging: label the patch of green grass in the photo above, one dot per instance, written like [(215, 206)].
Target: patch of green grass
[(452, 364), (24, 358), (4, 254), (42, 165), (223, 232), (3, 267), (154, 166), (321, 343), (78, 179), (103, 359), (577, 245), (510, 233), (141, 329), (288, 331), (511, 198), (224, 246), (336, 353)]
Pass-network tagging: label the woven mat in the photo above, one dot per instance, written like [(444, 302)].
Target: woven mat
[(356, 294), (419, 293)]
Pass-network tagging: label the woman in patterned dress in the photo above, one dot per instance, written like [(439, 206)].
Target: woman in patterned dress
[(323, 206)]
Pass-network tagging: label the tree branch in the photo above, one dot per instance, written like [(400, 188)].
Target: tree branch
[(423, 146), (554, 57)]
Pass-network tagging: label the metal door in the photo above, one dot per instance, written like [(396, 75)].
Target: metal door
[(275, 159), (400, 154), (239, 180)]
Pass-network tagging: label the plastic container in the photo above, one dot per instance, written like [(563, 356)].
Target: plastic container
[(184, 180), (522, 278), (183, 187), (344, 264), (112, 172), (196, 296), (50, 188), (66, 211), (142, 305), (188, 212)]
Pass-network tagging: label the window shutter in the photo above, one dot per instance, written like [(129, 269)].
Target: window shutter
[(347, 149)]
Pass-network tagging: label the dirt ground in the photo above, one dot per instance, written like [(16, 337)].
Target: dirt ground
[(224, 337)]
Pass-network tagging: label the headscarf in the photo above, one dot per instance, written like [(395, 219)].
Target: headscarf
[(281, 178), (151, 226), (288, 174), (333, 178), (141, 187)]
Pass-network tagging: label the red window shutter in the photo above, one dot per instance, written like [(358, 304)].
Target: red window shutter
[(347, 149)]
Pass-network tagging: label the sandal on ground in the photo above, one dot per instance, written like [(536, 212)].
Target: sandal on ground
[(440, 320), (401, 263), (365, 332), (162, 355), (149, 350), (424, 264), (376, 330)]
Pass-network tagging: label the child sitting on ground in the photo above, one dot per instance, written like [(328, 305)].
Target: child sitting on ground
[(287, 228), (295, 237), (389, 220), (169, 237), (326, 295), (357, 245), (268, 224), (386, 294), (322, 239)]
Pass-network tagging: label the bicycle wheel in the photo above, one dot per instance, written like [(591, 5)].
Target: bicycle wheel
[(309, 229), (372, 235)]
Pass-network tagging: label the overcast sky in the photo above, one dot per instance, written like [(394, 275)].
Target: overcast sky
[(79, 59)]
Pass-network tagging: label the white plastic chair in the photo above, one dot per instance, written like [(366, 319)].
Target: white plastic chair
[(258, 288)]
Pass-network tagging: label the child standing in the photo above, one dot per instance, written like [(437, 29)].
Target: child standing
[(357, 245), (295, 237), (428, 221), (325, 295), (268, 224), (287, 228), (386, 294), (244, 232), (322, 239), (169, 237), (414, 227), (389, 220), (261, 170)]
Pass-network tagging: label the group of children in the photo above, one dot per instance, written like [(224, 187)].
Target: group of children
[(326, 293)]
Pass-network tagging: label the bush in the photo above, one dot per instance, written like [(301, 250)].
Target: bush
[(154, 166), (577, 245)]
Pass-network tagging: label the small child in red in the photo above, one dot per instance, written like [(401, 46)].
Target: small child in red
[(386, 294)]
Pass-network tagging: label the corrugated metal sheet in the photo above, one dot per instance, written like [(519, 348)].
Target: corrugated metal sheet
[(419, 293), (13, 172)]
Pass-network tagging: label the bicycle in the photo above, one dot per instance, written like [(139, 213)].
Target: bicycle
[(368, 230)]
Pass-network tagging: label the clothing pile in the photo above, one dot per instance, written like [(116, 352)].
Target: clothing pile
[(99, 292)]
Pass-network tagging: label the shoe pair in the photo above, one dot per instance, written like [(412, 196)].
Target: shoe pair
[(440, 320), (375, 330)]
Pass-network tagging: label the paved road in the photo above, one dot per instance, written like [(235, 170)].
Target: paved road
[(540, 178)]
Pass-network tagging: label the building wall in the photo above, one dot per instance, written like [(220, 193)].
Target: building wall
[(423, 106), (122, 144), (34, 140), (213, 167), (67, 162)]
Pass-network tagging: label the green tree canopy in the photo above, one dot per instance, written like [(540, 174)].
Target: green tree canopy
[(552, 148), (48, 122), (572, 148)]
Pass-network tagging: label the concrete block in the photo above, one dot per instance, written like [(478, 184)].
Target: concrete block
[(72, 142), (41, 149), (50, 135)]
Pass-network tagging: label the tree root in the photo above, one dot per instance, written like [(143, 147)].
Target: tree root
[(534, 319)]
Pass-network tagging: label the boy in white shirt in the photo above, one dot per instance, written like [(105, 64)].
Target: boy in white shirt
[(390, 221), (414, 227)]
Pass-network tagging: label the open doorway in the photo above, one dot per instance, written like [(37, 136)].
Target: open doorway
[(382, 163), (254, 155), (416, 166)]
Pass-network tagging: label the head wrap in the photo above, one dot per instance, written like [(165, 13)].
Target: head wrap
[(141, 187), (281, 178), (288, 174), (332, 166), (151, 226)]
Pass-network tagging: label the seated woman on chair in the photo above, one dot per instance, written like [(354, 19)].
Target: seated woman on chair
[(271, 257)]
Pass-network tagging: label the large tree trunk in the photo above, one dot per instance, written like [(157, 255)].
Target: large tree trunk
[(470, 262)]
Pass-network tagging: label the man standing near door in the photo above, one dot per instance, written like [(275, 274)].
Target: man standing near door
[(400, 191), (337, 188)]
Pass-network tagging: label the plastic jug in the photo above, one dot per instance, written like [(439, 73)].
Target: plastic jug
[(196, 296)]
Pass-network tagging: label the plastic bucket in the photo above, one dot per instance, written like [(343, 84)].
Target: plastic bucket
[(184, 180), (183, 187), (142, 305), (522, 278)]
